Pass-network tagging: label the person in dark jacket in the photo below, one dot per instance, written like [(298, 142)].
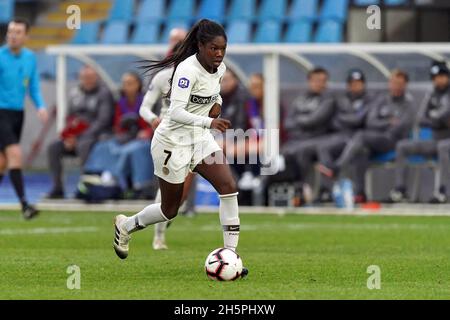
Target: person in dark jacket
[(350, 116), (234, 97), (90, 114), (306, 122), (389, 120), (434, 114)]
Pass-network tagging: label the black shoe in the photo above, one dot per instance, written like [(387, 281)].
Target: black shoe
[(244, 273), (29, 212), (397, 195), (438, 198), (55, 194), (325, 196)]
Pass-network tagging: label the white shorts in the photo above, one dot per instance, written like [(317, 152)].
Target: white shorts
[(173, 163)]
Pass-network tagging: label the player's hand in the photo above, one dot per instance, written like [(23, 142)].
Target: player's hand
[(43, 115), (221, 124), (155, 123)]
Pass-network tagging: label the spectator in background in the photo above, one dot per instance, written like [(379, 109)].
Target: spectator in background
[(352, 108), (234, 99), (18, 75), (249, 147), (90, 114), (388, 121), (307, 121), (435, 114), (123, 155), (128, 125)]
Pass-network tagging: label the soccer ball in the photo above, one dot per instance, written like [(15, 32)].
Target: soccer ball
[(223, 264)]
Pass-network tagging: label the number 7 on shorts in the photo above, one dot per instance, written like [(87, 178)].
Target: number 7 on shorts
[(169, 154)]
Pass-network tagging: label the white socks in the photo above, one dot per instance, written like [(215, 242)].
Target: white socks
[(160, 228), (149, 215), (229, 218)]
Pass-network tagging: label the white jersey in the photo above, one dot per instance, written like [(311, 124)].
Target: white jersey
[(197, 90), (158, 88)]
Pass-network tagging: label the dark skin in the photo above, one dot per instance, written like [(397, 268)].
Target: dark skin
[(210, 56)]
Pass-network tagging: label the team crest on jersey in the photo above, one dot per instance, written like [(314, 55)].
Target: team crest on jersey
[(183, 83), (165, 170)]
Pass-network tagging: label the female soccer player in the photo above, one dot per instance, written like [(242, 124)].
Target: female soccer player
[(183, 142), (158, 88)]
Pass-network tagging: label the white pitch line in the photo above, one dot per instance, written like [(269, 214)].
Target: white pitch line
[(9, 232), (331, 226)]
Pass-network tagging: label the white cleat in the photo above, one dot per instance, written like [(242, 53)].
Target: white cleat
[(159, 244), (121, 237)]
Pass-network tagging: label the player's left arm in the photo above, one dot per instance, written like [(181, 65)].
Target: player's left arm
[(35, 92)]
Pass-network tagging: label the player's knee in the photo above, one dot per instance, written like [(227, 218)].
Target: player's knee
[(14, 155), (228, 187), (170, 211)]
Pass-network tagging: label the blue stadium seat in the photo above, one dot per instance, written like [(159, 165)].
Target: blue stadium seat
[(151, 10), (272, 10), (122, 10), (268, 31), (115, 32), (171, 24), (425, 134), (181, 9), (87, 34), (239, 31), (329, 31), (304, 9), (384, 157), (146, 32), (212, 9), (395, 2), (6, 10), (366, 2), (299, 32), (242, 9), (334, 9)]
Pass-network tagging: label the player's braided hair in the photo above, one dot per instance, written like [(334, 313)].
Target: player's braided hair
[(202, 32)]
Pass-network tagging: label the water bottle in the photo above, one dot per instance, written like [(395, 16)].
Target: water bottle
[(347, 192), (338, 196)]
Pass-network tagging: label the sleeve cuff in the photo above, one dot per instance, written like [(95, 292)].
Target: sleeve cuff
[(207, 122)]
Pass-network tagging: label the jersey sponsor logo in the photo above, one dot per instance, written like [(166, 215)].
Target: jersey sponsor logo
[(203, 100), (183, 83)]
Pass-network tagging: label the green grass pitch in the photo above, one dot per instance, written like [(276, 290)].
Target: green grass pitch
[(289, 257)]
